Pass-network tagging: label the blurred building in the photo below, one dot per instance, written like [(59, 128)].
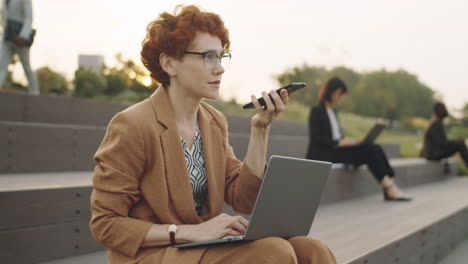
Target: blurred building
[(93, 63)]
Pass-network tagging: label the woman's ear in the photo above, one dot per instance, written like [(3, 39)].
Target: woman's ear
[(167, 64)]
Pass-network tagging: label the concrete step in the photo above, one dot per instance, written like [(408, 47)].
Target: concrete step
[(54, 207), (23, 108), (20, 107), (422, 231), (368, 230), (458, 256), (46, 147)]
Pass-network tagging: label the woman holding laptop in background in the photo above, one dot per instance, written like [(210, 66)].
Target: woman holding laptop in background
[(165, 167), (327, 142)]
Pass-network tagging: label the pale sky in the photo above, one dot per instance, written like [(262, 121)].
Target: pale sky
[(428, 38)]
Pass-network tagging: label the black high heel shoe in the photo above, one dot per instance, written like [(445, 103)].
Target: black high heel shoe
[(392, 199)]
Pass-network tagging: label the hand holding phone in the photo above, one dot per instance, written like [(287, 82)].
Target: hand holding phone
[(292, 87)]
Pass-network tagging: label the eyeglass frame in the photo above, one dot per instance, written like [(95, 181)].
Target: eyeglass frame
[(203, 54)]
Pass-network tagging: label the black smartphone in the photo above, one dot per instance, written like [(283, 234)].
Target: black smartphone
[(291, 88)]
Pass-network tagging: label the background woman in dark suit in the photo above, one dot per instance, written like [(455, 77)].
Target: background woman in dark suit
[(327, 141), (436, 144)]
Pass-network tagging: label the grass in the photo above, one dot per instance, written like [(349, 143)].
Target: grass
[(355, 126)]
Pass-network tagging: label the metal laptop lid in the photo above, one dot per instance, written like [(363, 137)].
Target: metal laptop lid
[(288, 198), (374, 132)]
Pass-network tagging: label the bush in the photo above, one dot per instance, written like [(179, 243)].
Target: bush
[(88, 83), (51, 82)]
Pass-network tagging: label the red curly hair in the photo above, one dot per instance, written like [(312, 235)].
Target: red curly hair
[(171, 34)]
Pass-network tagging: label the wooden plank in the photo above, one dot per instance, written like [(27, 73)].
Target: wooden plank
[(46, 180), (48, 109), (36, 148), (36, 244), (12, 106), (43, 207), (357, 227), (368, 230), (90, 258)]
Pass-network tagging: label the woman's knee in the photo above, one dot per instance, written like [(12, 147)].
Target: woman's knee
[(373, 147), (274, 250), (310, 250)]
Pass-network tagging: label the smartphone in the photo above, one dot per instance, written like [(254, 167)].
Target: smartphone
[(291, 88)]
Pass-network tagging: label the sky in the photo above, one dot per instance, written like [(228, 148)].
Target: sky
[(428, 38)]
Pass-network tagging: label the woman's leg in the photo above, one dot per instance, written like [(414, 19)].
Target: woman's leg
[(370, 154), (451, 148), (6, 51), (267, 250), (374, 157), (33, 86), (311, 251)]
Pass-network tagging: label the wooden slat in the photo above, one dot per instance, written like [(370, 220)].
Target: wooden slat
[(354, 228), (31, 208), (368, 230), (36, 244)]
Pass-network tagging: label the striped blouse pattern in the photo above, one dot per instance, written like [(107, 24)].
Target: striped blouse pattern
[(195, 161)]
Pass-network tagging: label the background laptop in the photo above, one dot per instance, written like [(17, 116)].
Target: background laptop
[(374, 132), (286, 203)]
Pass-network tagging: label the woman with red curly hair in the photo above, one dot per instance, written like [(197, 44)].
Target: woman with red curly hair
[(165, 166)]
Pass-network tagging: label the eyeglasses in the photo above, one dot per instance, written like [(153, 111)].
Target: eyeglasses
[(210, 58)]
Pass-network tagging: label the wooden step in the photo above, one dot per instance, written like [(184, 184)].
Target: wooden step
[(368, 230), (46, 147), (55, 206)]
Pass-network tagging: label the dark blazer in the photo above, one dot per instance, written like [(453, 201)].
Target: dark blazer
[(435, 140), (321, 141)]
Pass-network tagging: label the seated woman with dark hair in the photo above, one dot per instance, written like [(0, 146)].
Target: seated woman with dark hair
[(165, 167), (327, 142), (436, 144)]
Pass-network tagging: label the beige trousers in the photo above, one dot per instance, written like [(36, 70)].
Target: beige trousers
[(303, 250)]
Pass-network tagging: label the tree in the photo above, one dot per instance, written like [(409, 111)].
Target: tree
[(315, 77), (127, 77), (465, 114), (51, 82), (88, 83), (379, 91), (374, 93)]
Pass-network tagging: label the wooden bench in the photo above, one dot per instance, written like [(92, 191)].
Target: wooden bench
[(48, 213), (367, 230)]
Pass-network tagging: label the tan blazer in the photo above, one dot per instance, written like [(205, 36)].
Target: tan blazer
[(141, 179)]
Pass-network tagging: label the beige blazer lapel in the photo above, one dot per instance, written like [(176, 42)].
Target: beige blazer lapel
[(214, 161), (177, 177)]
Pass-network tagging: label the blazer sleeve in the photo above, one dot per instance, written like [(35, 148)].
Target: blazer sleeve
[(120, 161), (27, 21), (319, 135), (241, 185)]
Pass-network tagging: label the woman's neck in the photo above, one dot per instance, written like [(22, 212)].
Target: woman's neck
[(185, 106)]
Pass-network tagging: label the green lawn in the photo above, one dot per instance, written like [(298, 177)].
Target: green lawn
[(355, 126)]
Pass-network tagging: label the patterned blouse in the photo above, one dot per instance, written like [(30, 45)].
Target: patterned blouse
[(195, 161)]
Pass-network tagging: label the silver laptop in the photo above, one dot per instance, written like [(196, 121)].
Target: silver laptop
[(286, 203), (374, 132)]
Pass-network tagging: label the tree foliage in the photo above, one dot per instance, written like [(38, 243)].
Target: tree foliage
[(125, 79), (379, 93), (465, 115), (51, 82), (88, 83)]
